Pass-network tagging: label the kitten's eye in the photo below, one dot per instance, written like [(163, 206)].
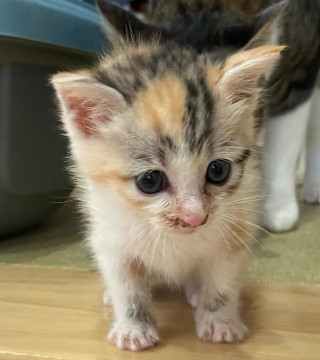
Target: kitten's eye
[(152, 181), (218, 172)]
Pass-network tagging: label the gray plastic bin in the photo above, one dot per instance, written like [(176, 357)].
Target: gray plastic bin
[(37, 38)]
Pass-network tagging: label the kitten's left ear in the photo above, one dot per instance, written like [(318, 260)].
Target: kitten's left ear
[(237, 87), (238, 80), (122, 24), (87, 105)]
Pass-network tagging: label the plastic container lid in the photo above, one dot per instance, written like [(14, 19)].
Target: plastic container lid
[(70, 23)]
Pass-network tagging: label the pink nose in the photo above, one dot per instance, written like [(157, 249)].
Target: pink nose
[(193, 220)]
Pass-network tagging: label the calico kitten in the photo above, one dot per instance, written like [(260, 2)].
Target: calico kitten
[(291, 109), (162, 141)]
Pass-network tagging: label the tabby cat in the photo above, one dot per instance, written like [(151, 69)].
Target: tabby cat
[(162, 141), (290, 111)]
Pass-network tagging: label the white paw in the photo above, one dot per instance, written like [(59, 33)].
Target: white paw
[(133, 336), (212, 328), (107, 298), (280, 215), (311, 193)]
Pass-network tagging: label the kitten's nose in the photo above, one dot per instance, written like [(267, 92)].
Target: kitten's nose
[(191, 212), (193, 220)]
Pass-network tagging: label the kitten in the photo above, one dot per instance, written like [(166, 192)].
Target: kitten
[(163, 146), (291, 110)]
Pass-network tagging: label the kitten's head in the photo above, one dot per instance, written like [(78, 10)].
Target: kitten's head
[(171, 132)]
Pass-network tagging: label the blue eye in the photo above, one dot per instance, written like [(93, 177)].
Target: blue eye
[(218, 172), (152, 181)]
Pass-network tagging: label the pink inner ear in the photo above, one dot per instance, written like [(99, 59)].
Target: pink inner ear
[(239, 95), (83, 110), (89, 107)]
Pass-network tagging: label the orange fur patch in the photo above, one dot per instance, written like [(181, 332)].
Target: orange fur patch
[(105, 176), (162, 105), (213, 74)]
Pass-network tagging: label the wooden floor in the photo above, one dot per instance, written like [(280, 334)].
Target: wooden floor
[(58, 314)]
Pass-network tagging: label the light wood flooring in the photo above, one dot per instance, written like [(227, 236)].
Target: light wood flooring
[(58, 314)]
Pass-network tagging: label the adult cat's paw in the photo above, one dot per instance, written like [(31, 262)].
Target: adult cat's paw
[(311, 192), (280, 215), (133, 336), (218, 330)]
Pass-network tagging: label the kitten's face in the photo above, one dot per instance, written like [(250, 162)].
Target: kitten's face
[(171, 135)]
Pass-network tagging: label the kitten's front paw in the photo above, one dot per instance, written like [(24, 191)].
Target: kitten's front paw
[(280, 216), (214, 329), (311, 193), (134, 337)]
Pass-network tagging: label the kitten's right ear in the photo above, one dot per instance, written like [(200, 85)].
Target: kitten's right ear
[(121, 24), (87, 105)]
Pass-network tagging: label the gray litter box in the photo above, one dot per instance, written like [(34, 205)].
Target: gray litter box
[(37, 38)]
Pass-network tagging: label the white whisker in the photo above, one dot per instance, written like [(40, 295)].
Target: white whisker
[(245, 231), (238, 237), (248, 223)]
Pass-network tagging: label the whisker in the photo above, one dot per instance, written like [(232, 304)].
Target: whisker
[(226, 226), (248, 223), (223, 237), (153, 251), (252, 210), (248, 199), (245, 231), (239, 238)]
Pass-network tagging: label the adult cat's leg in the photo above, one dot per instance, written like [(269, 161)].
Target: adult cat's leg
[(284, 136), (311, 188), (217, 313), (301, 166)]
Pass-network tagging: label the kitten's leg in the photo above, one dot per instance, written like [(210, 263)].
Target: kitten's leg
[(284, 137), (217, 318), (192, 290), (311, 188), (107, 298), (134, 327)]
